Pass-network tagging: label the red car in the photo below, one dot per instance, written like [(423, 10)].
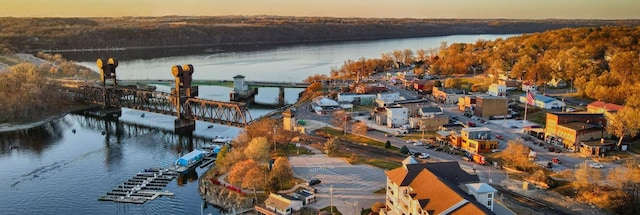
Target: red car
[(499, 137)]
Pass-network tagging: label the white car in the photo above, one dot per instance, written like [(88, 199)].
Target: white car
[(596, 165), (424, 156), (418, 143)]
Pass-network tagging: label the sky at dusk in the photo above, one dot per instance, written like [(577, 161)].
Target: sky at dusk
[(519, 9)]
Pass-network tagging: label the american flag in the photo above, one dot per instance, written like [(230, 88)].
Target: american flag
[(530, 98)]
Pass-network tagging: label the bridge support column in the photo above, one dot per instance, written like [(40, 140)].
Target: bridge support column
[(281, 97), (184, 126), (110, 112), (185, 122)]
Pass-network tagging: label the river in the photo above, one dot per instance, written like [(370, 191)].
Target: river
[(63, 166)]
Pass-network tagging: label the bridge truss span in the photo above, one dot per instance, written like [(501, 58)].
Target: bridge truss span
[(227, 113)]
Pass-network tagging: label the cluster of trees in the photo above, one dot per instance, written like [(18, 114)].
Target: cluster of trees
[(28, 94), (62, 68), (248, 161), (621, 194), (602, 63)]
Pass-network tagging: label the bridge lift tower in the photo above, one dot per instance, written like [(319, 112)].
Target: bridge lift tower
[(109, 82), (185, 122)]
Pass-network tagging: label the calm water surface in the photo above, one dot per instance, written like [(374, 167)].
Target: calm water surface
[(57, 171)]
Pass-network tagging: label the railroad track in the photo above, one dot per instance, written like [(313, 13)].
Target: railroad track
[(530, 203)]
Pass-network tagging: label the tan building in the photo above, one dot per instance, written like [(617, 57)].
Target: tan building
[(477, 140), (435, 188), (569, 129), (445, 95), (489, 107)]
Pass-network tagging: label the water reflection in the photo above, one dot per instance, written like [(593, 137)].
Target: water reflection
[(34, 140), (63, 166)]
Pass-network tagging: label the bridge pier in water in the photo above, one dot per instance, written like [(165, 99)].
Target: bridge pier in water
[(185, 122)]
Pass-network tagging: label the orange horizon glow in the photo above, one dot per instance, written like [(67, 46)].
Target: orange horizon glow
[(485, 9)]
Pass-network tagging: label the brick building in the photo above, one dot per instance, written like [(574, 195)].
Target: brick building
[(569, 129)]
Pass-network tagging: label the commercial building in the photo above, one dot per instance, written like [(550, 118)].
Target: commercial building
[(569, 129), (477, 140), (490, 107), (446, 95), (429, 118), (435, 188), (323, 105)]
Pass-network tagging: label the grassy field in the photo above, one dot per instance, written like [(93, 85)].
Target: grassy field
[(355, 138), (290, 150)]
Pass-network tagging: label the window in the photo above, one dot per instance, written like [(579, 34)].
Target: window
[(489, 202), (490, 195)]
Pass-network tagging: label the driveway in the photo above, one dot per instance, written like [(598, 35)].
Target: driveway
[(353, 185)]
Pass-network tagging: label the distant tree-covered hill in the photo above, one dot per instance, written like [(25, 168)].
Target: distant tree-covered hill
[(34, 34)]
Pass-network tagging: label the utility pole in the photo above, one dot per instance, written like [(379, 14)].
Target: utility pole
[(274, 137), (331, 198)]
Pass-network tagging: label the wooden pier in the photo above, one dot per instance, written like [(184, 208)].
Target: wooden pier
[(147, 185)]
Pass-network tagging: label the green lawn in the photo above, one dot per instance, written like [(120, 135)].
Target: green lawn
[(290, 149), (9, 60), (355, 138), (382, 164)]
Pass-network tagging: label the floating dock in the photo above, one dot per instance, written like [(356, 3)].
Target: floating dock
[(144, 186)]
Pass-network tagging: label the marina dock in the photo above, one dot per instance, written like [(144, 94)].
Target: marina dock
[(149, 184), (144, 186)]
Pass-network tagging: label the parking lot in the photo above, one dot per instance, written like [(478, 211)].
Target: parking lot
[(353, 185)]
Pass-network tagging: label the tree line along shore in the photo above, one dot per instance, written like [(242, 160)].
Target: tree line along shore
[(35, 34)]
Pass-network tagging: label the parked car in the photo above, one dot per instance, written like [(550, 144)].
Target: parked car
[(424, 156), (418, 143), (499, 137), (549, 165), (467, 159), (556, 160), (437, 149), (314, 182), (596, 165), (513, 126), (551, 149), (429, 146)]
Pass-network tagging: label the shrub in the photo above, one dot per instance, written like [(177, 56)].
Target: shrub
[(387, 144), (404, 150)]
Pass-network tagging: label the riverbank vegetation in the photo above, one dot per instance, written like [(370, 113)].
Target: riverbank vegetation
[(34, 34), (31, 93)]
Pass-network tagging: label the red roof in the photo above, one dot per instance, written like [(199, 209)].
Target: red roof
[(607, 106)]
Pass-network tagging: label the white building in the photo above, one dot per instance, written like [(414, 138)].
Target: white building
[(389, 96), (397, 116), (497, 90), (323, 105), (434, 188), (483, 193), (281, 204), (544, 102)]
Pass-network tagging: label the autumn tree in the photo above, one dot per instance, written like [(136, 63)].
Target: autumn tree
[(516, 154), (258, 149), (626, 183), (281, 171), (450, 83), (624, 122), (332, 145), (359, 128), (254, 178), (340, 118), (239, 170)]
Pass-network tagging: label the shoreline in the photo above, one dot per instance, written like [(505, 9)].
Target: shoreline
[(14, 127)]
